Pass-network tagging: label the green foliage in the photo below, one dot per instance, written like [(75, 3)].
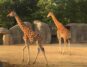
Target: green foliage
[(73, 11), (4, 21), (67, 11)]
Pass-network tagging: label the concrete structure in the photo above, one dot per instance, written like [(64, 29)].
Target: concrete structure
[(44, 30), (78, 32), (6, 37)]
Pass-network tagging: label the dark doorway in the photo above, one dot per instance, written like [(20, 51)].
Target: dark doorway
[(1, 39)]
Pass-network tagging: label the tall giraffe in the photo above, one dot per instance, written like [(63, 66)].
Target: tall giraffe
[(29, 35), (62, 32)]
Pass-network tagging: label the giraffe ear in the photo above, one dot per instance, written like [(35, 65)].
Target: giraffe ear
[(10, 10)]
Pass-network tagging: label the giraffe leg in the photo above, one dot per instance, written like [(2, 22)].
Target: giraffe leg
[(26, 45), (28, 54), (36, 56), (23, 53), (69, 47), (42, 49), (65, 44), (60, 46), (59, 39)]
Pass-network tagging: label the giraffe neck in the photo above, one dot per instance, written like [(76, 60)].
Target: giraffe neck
[(21, 24), (56, 22)]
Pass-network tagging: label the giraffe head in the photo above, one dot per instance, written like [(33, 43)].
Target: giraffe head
[(12, 14), (49, 14)]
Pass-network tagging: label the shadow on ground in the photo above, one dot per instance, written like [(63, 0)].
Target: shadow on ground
[(61, 64)]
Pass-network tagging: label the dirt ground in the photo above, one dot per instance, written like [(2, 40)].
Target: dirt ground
[(75, 57)]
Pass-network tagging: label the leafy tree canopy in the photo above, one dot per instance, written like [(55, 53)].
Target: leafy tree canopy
[(67, 11)]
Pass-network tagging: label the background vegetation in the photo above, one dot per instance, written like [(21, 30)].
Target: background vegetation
[(67, 11)]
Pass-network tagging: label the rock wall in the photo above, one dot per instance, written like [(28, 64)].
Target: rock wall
[(78, 32), (43, 30)]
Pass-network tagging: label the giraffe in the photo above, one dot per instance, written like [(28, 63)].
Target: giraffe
[(29, 35), (62, 32)]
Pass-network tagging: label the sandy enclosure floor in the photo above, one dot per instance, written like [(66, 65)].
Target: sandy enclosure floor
[(76, 57)]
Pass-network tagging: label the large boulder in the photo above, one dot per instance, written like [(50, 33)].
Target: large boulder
[(4, 31), (17, 34), (44, 30), (78, 32), (7, 39), (6, 36)]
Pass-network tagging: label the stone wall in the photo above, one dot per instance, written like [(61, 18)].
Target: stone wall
[(5, 36), (44, 30), (78, 32)]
